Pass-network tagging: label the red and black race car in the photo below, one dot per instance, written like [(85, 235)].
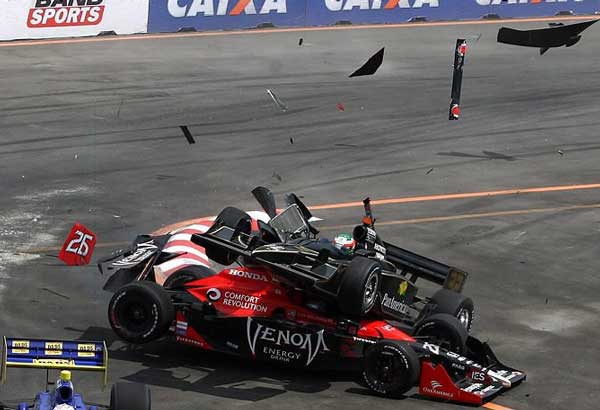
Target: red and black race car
[(296, 300)]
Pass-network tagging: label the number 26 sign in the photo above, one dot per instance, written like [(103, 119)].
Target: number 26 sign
[(79, 246)]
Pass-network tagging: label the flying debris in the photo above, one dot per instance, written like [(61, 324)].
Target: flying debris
[(280, 104), (301, 41), (544, 38), (371, 66), (459, 61), (78, 247), (341, 107), (188, 135)]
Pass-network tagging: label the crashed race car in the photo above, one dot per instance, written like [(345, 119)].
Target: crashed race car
[(296, 300), (286, 244), (65, 356)]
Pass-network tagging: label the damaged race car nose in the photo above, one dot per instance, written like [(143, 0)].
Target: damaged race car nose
[(474, 378)]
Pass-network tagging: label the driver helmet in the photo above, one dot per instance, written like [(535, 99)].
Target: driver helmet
[(345, 243), (64, 390)]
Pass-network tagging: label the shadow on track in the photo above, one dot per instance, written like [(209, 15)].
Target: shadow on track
[(170, 365)]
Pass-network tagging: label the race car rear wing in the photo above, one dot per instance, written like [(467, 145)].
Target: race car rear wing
[(429, 269), (54, 354)]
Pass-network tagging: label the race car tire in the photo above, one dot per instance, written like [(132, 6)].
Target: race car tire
[(391, 368), (360, 283), (443, 330), (188, 274), (141, 312), (233, 218), (130, 396), (455, 304)]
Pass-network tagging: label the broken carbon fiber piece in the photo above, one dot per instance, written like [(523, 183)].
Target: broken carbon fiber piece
[(371, 66), (280, 104), (188, 135), (545, 38), (459, 61)]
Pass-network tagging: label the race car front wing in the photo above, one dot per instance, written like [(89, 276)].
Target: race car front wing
[(475, 378)]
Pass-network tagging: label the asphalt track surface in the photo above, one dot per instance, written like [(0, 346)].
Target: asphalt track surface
[(89, 133)]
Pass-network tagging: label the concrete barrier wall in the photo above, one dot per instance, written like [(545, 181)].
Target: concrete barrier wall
[(23, 19)]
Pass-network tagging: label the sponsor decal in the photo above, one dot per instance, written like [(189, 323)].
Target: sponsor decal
[(232, 345), (54, 362), (435, 390), (499, 2), (478, 376), (248, 275), (307, 317), (392, 304), (143, 251), (20, 346), (459, 366), (208, 8), (213, 294), (65, 13), (181, 328), (435, 349), (363, 340), (487, 389), (462, 49), (349, 5), (242, 301), (473, 387), (188, 341), (53, 348), (281, 354), (284, 345), (86, 350)]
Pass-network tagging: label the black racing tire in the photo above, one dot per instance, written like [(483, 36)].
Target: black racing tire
[(359, 287), (141, 312), (443, 330), (391, 368), (130, 396), (187, 274), (455, 304), (233, 218)]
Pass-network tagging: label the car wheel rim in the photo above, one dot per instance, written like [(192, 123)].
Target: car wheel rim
[(385, 369), (371, 290), (464, 316), (134, 315)]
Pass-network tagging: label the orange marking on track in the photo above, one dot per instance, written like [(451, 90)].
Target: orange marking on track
[(494, 406), (37, 251), (167, 36), (457, 196), (471, 216), (442, 197), (169, 228)]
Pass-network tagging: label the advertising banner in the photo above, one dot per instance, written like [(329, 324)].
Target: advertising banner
[(173, 15), (24, 19), (328, 12), (538, 8)]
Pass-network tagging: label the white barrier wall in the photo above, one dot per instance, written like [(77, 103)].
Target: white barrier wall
[(23, 19)]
